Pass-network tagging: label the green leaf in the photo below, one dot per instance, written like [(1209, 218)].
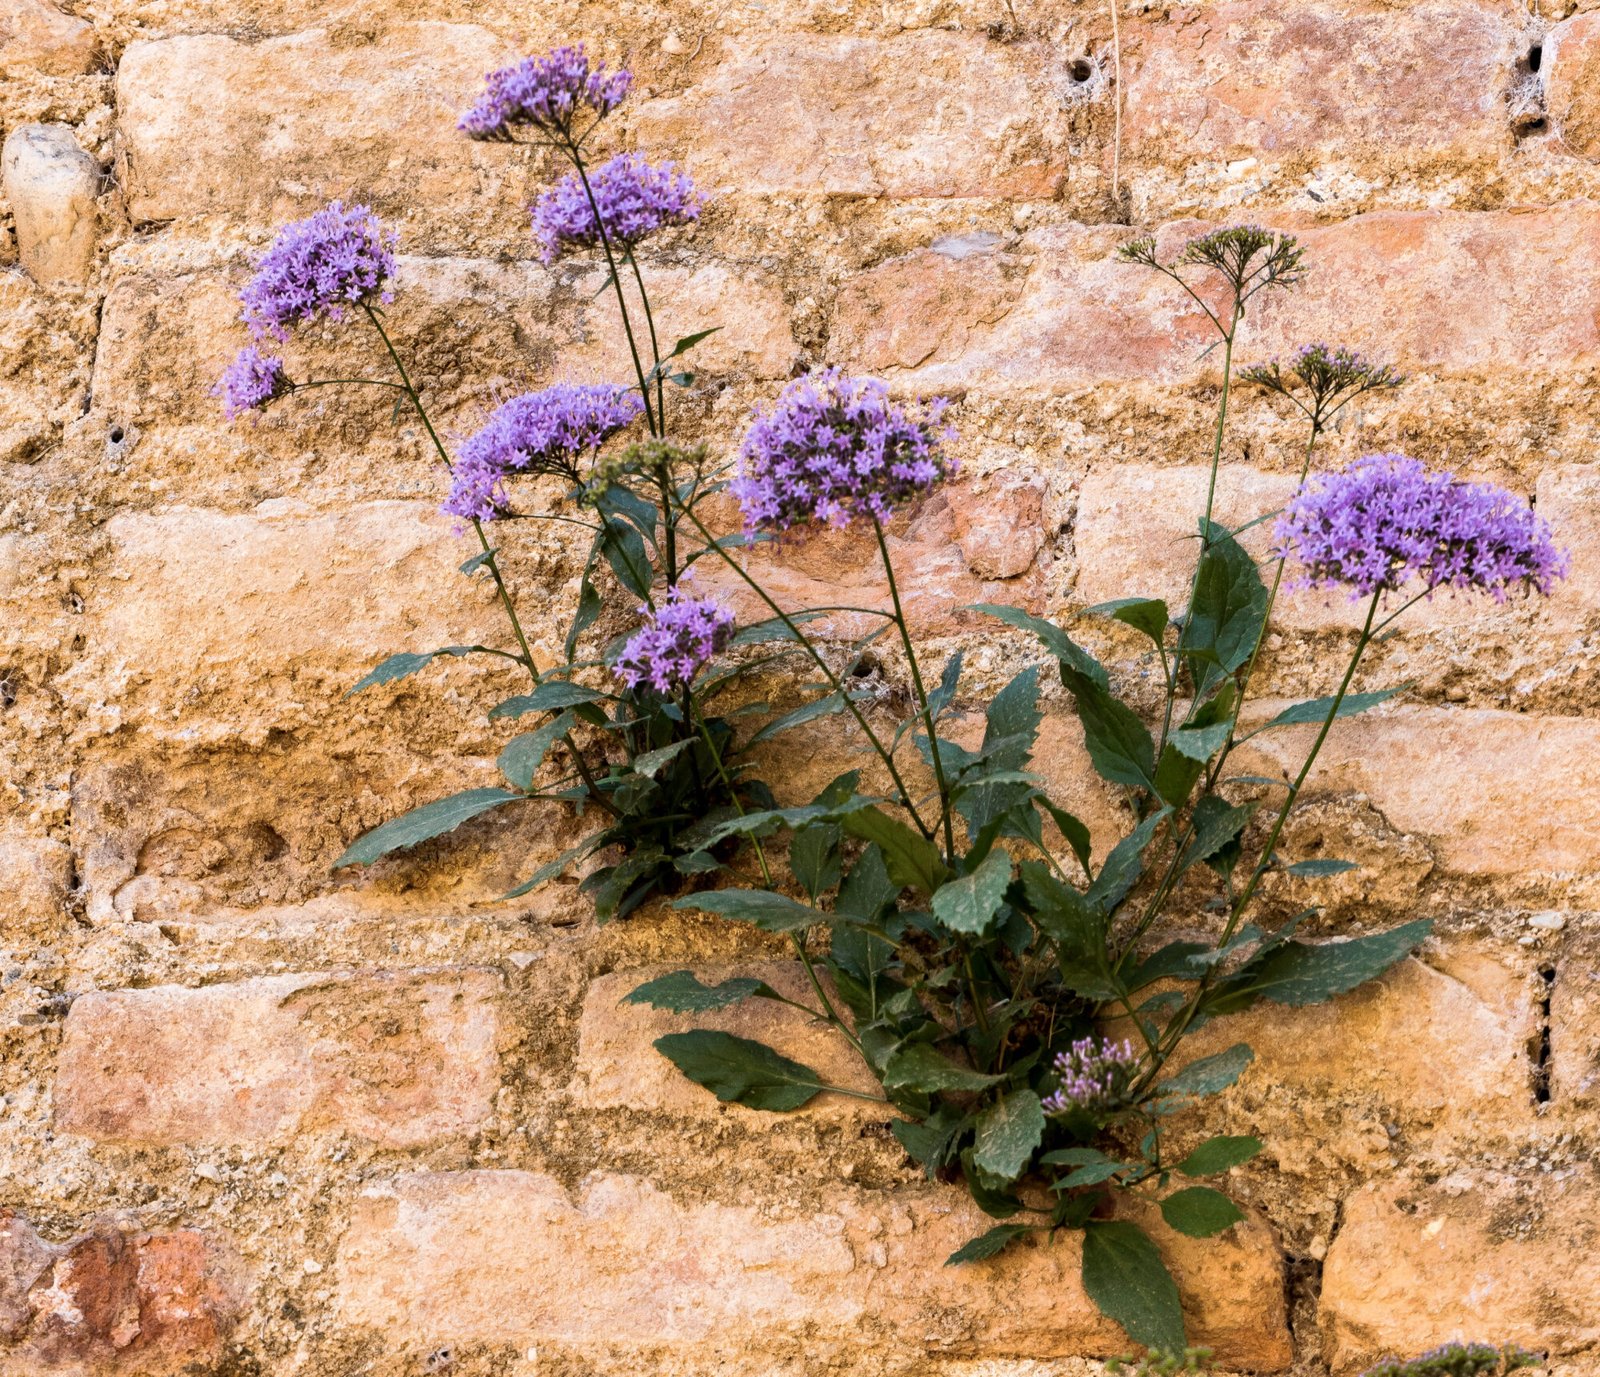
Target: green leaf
[(1299, 973), (1120, 748), (1230, 604), (550, 696), (407, 663), (1217, 823), (547, 872), (477, 562), (624, 550), (1210, 1075), (969, 904), (1012, 723), (422, 824), (917, 1066), (1199, 1211), (1148, 615), (1125, 1276), (912, 860), (1008, 1132), (1201, 743), (941, 698), (988, 1244), (522, 756), (867, 890), (1056, 641), (1315, 710), (1075, 1157), (1073, 832), (651, 762), (1219, 1154), (768, 911), (1318, 870), (1125, 863), (681, 992), (1090, 1174), (739, 1071), (825, 706), (814, 857)]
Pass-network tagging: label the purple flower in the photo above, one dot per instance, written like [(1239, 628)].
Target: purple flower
[(1094, 1075), (251, 381), (537, 433), (1386, 520), (318, 266), (677, 640), (833, 448), (635, 200), (1331, 376), (546, 92)]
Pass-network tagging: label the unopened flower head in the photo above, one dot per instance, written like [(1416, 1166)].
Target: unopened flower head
[(318, 266), (676, 642), (635, 199), (1458, 1360), (546, 432), (833, 448), (1248, 257), (251, 381), (1095, 1075), (1328, 376), (549, 93), (1386, 521)]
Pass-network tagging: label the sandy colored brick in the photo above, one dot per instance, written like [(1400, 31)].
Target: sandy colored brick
[(510, 1257), (36, 37), (927, 114), (292, 123), (1346, 80), (1569, 499), (51, 184), (1476, 1253), (1570, 62), (400, 1059), (1575, 1026)]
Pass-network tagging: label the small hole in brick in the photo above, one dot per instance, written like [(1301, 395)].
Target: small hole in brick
[(116, 435), (1541, 1055), (1081, 70), (1535, 57)]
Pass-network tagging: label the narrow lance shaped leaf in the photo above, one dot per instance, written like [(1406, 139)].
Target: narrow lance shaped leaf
[(987, 1245), (1210, 1075), (423, 824), (1119, 744), (550, 696), (1230, 605), (740, 1071), (407, 663), (768, 911), (682, 992), (1071, 655), (1315, 710), (522, 756), (1320, 870), (1299, 973), (1125, 1276)]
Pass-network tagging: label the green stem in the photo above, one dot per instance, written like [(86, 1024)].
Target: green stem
[(922, 696)]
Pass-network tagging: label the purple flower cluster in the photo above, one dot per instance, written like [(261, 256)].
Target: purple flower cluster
[(635, 199), (1094, 1076), (676, 642), (251, 381), (544, 432), (1331, 375), (318, 266), (546, 92), (832, 448), (1386, 521)]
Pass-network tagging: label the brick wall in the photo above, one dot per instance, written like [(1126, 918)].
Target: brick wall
[(259, 1119)]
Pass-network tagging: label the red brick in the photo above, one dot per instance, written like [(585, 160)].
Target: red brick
[(399, 1059), (1507, 1257), (112, 1302), (925, 114), (508, 1256)]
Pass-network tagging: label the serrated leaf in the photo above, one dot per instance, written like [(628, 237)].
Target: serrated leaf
[(1119, 744), (986, 1245), (1229, 607), (814, 858), (740, 1071), (1319, 870), (1219, 1154), (868, 889), (407, 663), (913, 861), (941, 697), (969, 904), (917, 1066), (1201, 743), (521, 757), (1199, 1211), (1071, 655), (1012, 723), (1008, 1131), (1300, 973), (1125, 863), (1148, 615), (651, 763), (423, 824), (550, 696), (547, 872), (682, 992), (1217, 823), (768, 911), (1125, 1276), (1315, 710), (1210, 1075)]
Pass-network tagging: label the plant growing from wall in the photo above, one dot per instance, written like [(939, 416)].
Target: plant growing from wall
[(1001, 971)]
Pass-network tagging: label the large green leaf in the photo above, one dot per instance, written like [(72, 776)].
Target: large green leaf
[(409, 662), (1008, 1132), (624, 550), (1229, 607), (986, 1245), (1120, 748), (912, 860), (1125, 863), (522, 756), (814, 857), (1315, 710), (1298, 973), (825, 706), (739, 1071), (1148, 615), (969, 904), (682, 992), (1210, 1075), (917, 1066), (421, 824), (1199, 1211), (1012, 723), (768, 911), (550, 696), (1072, 655), (1219, 1154), (868, 889), (1125, 1276)]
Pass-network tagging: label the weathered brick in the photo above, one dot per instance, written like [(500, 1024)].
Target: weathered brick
[(1570, 63), (507, 1256), (925, 114), (619, 1068), (36, 37), (114, 1301), (1346, 81), (1473, 783), (35, 876), (1502, 1256), (1569, 499), (292, 123), (1574, 1066), (399, 1059)]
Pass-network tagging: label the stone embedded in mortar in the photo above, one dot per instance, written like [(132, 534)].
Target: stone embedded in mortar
[(504, 1257), (999, 523), (1574, 1051), (37, 38), (113, 1301), (51, 184), (397, 1058), (1506, 1255)]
